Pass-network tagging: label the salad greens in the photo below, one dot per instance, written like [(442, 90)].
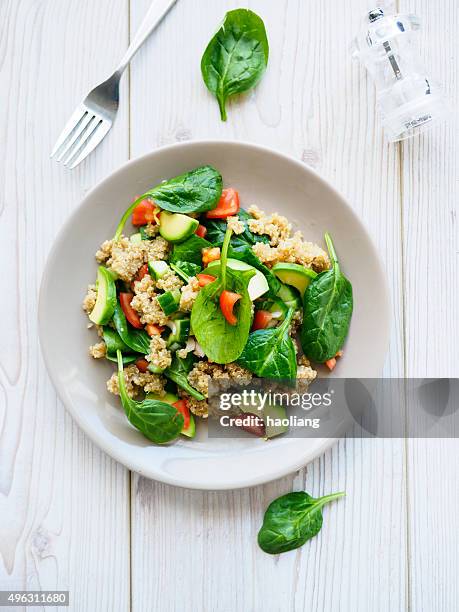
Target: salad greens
[(291, 520), (193, 192), (328, 305), (270, 353), (236, 57), (221, 341), (158, 421), (136, 339), (190, 250), (178, 372), (185, 269)]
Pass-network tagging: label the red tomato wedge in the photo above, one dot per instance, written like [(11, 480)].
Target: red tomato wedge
[(261, 319), (142, 365), (205, 279), (227, 301), (145, 212), (153, 330), (228, 205), (143, 271), (131, 315), (201, 231), (182, 407)]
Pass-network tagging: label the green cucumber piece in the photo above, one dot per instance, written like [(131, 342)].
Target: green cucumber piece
[(295, 275), (154, 369), (158, 269), (169, 301), (289, 296), (180, 332), (106, 297), (258, 285), (176, 227)]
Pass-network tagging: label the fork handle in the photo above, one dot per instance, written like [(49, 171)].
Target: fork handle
[(155, 13)]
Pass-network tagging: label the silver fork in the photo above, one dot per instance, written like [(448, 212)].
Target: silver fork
[(94, 117)]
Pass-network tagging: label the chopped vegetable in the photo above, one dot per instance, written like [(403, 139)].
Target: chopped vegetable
[(227, 206), (209, 255), (145, 212), (131, 315), (153, 330), (205, 279), (261, 319), (142, 365), (182, 407), (227, 301), (201, 231)]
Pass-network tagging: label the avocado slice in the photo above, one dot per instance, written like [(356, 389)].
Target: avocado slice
[(170, 398), (106, 297), (295, 275), (258, 285), (175, 227)]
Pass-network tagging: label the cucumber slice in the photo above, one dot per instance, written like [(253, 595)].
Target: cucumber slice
[(175, 227), (289, 296), (136, 238), (258, 285), (154, 369), (295, 275), (106, 297), (170, 398), (169, 301), (180, 330), (158, 269)]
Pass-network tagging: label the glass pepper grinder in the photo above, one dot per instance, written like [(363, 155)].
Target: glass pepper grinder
[(408, 99)]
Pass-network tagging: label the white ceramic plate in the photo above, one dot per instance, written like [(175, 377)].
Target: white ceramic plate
[(274, 182)]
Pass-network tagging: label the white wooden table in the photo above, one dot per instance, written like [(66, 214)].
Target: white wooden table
[(73, 519)]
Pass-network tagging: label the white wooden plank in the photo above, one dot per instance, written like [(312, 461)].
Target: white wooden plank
[(64, 504), (198, 551), (431, 236)]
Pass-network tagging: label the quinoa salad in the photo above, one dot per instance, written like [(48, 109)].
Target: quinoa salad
[(203, 289)]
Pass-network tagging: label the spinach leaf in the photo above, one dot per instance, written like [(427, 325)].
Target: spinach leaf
[(158, 421), (136, 339), (114, 343), (216, 229), (178, 372), (236, 57), (291, 520), (328, 305), (190, 250), (185, 269), (220, 341), (270, 353), (196, 191)]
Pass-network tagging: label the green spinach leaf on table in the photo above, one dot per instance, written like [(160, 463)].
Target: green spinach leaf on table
[(236, 57), (328, 305), (190, 250), (196, 191), (270, 353), (158, 421), (178, 372), (291, 520), (136, 339)]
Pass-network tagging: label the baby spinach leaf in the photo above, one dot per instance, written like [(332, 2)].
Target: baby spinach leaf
[(216, 229), (190, 250), (220, 341), (158, 421), (236, 57), (328, 305), (136, 339), (270, 353), (291, 520), (196, 191), (185, 269), (114, 343), (178, 372)]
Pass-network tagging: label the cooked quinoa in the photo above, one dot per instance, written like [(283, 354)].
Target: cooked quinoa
[(156, 299)]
